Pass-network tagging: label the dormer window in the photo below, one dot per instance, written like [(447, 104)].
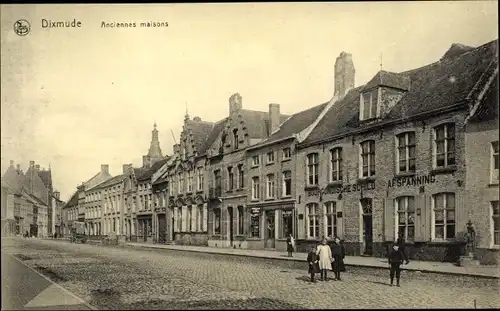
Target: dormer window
[(368, 102)]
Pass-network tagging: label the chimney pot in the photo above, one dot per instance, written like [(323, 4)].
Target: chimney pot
[(105, 168), (32, 163), (235, 103), (37, 167), (344, 74), (274, 117)]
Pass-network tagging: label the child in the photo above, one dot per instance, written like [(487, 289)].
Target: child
[(312, 260), (396, 258)]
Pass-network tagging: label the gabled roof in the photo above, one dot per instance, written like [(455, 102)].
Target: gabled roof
[(138, 171), (34, 185), (112, 181), (455, 50), (390, 79), (46, 177), (488, 107), (435, 86), (295, 124), (72, 201), (200, 131), (153, 169), (212, 136), (257, 122), (14, 179)]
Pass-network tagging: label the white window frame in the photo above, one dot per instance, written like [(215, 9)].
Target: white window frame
[(407, 148), (446, 151), (494, 217), (336, 163), (255, 188), (284, 194), (494, 173), (255, 161), (190, 181), (270, 157), (369, 164), (200, 178), (407, 213), (315, 217), (445, 223), (180, 182), (370, 106), (312, 167), (270, 186), (332, 215), (287, 153)]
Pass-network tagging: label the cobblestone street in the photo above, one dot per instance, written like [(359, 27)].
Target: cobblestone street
[(125, 278)]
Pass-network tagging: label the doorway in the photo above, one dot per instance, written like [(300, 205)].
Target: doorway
[(269, 237), (367, 209), (162, 228), (231, 222)]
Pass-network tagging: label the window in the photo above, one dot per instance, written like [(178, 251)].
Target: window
[(312, 169), (200, 179), (218, 179), (369, 105), (313, 219), (405, 153), (255, 188), (184, 152), (171, 186), (241, 220), (270, 157), (368, 158), (331, 219), (180, 179), (241, 177), (287, 153), (444, 145), (336, 160), (255, 225), (190, 181), (405, 217), (495, 219), (217, 221), (199, 217), (189, 218), (255, 160), (230, 178), (235, 138), (270, 186), (179, 219), (444, 216), (287, 183), (494, 162), (286, 223)]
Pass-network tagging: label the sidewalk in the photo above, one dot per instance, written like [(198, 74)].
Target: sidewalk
[(492, 272)]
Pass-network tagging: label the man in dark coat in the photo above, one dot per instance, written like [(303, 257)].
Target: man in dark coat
[(338, 254), (312, 260), (396, 258), (402, 246)]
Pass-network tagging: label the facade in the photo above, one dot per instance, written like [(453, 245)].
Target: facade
[(389, 157), (70, 214), (112, 203), (482, 163)]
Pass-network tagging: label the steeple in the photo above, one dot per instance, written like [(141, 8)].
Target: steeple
[(154, 148), (186, 116)]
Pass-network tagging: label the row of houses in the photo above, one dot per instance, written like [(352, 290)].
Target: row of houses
[(412, 153), (30, 204)]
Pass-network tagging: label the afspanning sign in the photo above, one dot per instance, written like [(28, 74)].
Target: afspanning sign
[(412, 181), (342, 189)]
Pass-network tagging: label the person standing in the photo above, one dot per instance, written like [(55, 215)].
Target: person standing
[(396, 258), (325, 259), (338, 254), (312, 259), (290, 244), (402, 246)]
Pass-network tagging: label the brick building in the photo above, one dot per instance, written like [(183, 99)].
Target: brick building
[(390, 157)]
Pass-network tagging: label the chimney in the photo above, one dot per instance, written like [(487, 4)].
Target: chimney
[(32, 164), (126, 168), (105, 168), (18, 168), (145, 161), (344, 74), (274, 117), (37, 167), (57, 194), (11, 163), (235, 103)]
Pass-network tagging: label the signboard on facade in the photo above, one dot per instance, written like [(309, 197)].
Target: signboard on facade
[(343, 189), (411, 181), (286, 213)]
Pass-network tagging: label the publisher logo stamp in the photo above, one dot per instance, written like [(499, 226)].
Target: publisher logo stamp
[(22, 27)]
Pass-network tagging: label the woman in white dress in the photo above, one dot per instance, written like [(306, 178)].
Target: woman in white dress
[(325, 258)]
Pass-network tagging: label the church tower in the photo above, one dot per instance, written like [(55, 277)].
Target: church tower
[(154, 153)]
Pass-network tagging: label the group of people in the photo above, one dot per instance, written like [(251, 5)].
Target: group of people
[(323, 257)]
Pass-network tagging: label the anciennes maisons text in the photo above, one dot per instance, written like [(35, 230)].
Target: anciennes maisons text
[(146, 24)]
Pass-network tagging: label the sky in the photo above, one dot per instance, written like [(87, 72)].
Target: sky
[(76, 98)]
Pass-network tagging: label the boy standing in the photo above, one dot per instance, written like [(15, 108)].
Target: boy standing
[(396, 258), (312, 260)]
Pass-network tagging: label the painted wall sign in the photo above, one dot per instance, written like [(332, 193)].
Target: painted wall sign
[(342, 189), (412, 181)]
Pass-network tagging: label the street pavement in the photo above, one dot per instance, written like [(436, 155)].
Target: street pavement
[(25, 289), (128, 278)]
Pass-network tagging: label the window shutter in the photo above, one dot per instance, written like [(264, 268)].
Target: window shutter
[(389, 220), (183, 218), (426, 217), (420, 223)]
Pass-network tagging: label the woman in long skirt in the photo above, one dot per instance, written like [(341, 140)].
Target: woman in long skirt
[(325, 259)]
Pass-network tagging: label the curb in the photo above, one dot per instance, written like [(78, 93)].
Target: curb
[(83, 302), (300, 260)]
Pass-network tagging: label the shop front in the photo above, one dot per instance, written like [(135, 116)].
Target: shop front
[(145, 227)]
